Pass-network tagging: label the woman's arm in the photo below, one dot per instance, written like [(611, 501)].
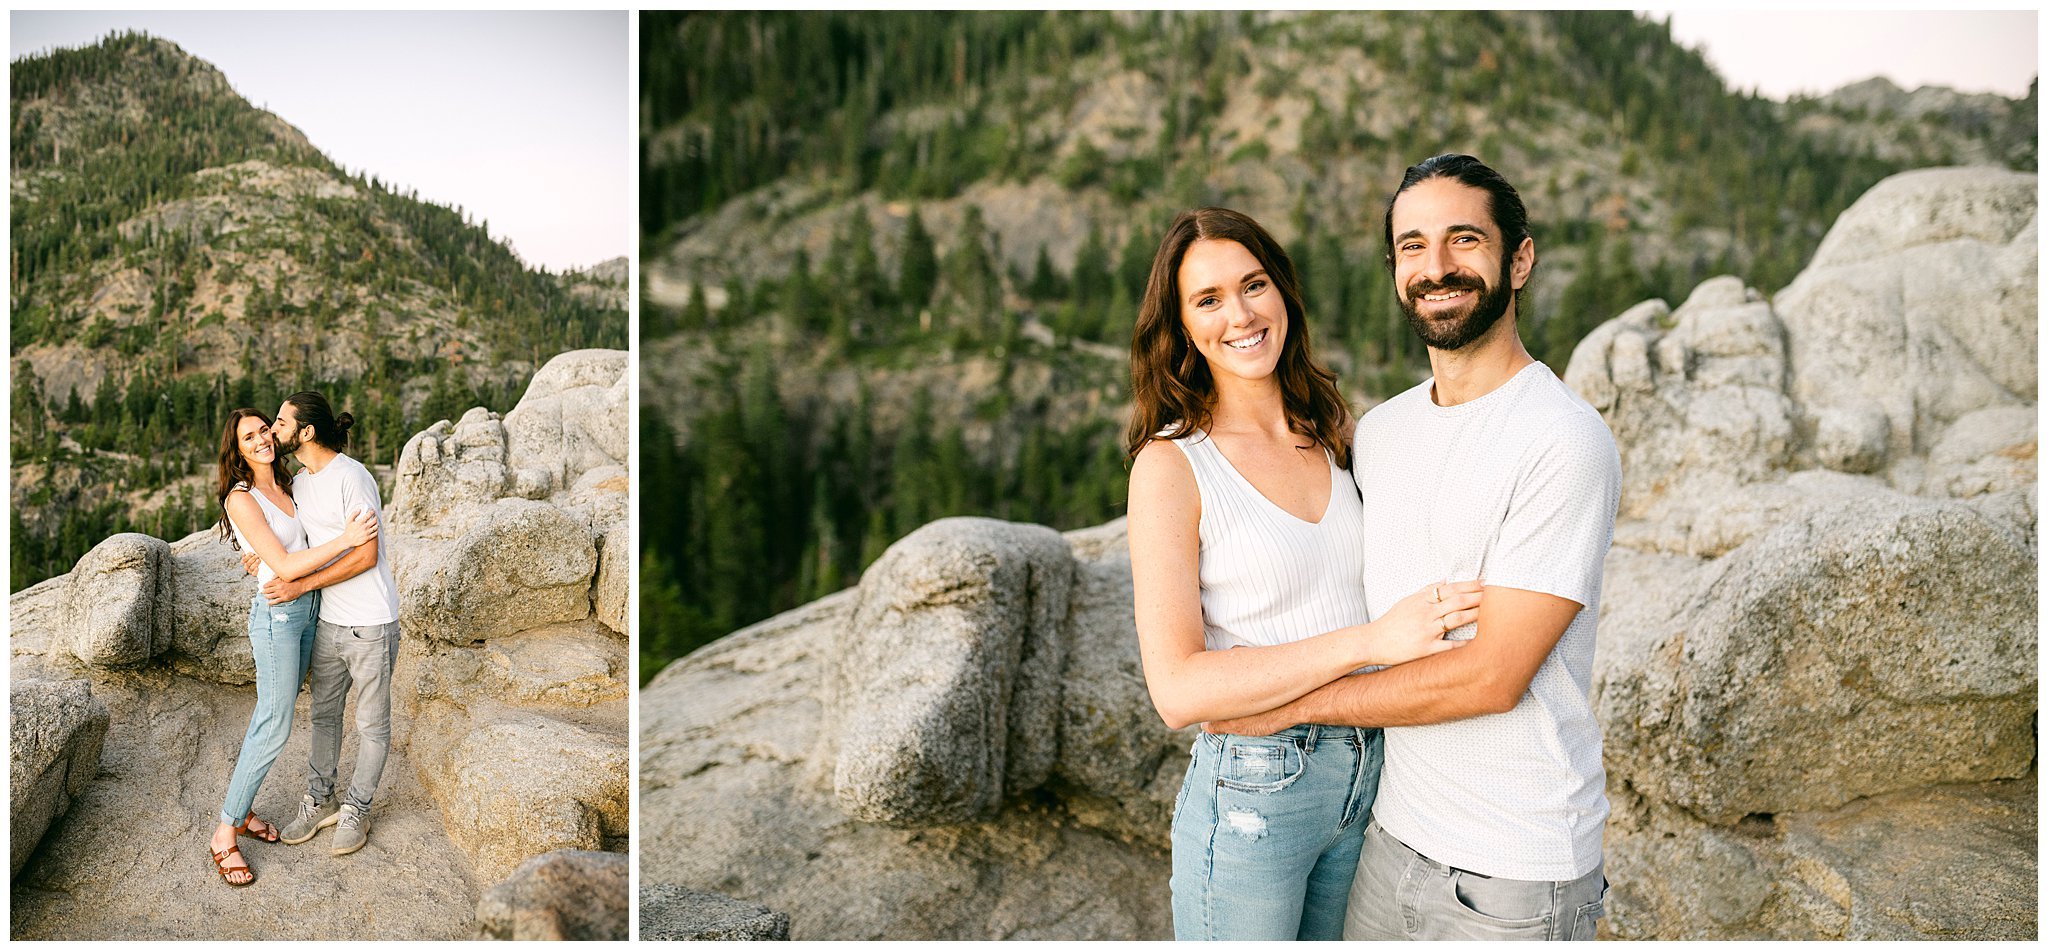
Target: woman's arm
[(1188, 682), (248, 516)]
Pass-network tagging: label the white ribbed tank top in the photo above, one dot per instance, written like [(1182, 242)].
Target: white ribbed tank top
[(1268, 577), (287, 529)]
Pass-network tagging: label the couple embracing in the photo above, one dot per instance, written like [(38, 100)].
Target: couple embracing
[(1387, 631), (326, 604)]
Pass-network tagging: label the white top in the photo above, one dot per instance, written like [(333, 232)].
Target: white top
[(326, 499), (1519, 487), (1267, 576), (285, 527)]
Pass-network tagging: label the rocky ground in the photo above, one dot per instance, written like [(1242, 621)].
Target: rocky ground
[(503, 806), (129, 861), (1817, 670)]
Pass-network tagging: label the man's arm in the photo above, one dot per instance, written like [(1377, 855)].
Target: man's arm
[(358, 560), (358, 493), (1517, 630)]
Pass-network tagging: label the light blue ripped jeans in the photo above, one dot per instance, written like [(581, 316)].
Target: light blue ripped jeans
[(281, 640), (1267, 830)]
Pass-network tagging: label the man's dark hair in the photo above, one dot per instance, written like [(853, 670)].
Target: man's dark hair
[(311, 409), (1508, 214)]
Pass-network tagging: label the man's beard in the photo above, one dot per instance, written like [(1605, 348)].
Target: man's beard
[(1453, 333), (286, 447)]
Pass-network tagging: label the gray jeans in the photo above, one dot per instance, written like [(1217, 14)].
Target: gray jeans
[(1401, 894), (341, 656)]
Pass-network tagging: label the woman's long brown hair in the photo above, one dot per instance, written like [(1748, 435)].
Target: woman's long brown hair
[(1170, 381), (235, 470)]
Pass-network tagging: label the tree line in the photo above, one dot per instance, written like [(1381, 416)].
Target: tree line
[(771, 502)]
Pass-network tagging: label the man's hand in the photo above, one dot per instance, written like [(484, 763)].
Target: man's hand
[(1258, 724), (278, 590), (250, 562)]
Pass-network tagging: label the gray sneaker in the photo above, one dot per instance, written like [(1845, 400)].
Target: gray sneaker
[(313, 816), (351, 829)]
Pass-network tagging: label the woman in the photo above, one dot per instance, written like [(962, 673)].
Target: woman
[(259, 516), (1245, 533)]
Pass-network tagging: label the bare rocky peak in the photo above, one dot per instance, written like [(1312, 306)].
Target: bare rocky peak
[(612, 271), (1880, 95), (603, 283)]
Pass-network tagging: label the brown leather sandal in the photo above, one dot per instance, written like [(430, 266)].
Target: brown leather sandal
[(221, 856), (268, 827)]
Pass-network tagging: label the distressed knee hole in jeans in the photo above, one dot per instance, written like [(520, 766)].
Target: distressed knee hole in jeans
[(1246, 822)]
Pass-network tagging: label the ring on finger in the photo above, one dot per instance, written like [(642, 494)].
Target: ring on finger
[(1443, 623), (1436, 594)]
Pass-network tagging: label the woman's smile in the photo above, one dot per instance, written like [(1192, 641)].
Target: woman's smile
[(1248, 342)]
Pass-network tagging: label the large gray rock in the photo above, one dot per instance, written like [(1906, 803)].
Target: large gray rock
[(573, 418), (733, 800), (947, 684), (1922, 304), (1954, 861), (210, 610), (1119, 767), (1708, 378), (562, 667), (565, 443), (674, 913), (1821, 592), (1838, 656), (521, 564), (515, 784), (1929, 206), (445, 471), (119, 602), (55, 730), (566, 895)]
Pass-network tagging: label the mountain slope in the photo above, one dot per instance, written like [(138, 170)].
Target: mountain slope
[(178, 252)]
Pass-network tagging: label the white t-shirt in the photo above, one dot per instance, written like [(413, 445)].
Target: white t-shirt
[(326, 499), (1518, 487)]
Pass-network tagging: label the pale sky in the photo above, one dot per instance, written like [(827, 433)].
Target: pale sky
[(522, 119), (1781, 53)]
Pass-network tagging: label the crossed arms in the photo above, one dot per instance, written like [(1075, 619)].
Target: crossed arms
[(1264, 685), (1555, 536), (356, 561), (1517, 630)]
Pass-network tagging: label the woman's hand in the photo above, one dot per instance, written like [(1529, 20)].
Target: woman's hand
[(1415, 626), (361, 529)]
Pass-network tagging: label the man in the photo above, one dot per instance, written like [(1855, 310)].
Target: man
[(356, 639), (1488, 821)]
